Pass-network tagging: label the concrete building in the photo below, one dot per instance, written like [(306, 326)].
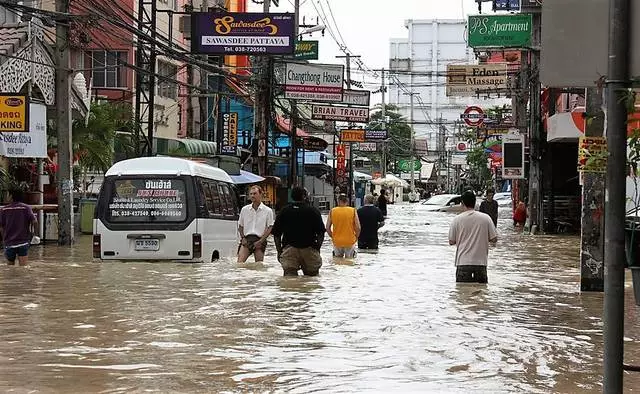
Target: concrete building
[(419, 62)]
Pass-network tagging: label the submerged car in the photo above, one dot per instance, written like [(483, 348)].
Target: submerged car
[(503, 199), (444, 203)]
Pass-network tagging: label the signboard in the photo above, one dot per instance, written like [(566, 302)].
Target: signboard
[(229, 133), (513, 59), (356, 97), (235, 33), (592, 154), (314, 144), (473, 116), (376, 135), (513, 156), (352, 135), (405, 165), (368, 147), (342, 180), (148, 200), (506, 5), (462, 146), (33, 142), (470, 80), (459, 159), (407, 175), (315, 82), (504, 31), (345, 114), (306, 50), (14, 113)]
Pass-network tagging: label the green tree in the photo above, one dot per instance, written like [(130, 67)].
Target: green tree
[(479, 174), (399, 131)]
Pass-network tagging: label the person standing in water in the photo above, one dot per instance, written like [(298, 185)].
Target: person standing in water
[(382, 202), (371, 219), (254, 226), (343, 227), (490, 206)]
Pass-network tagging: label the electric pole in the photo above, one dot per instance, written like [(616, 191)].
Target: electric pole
[(204, 85), (412, 141), (348, 57), (262, 107), (535, 140), (293, 127), (384, 126), (63, 124)]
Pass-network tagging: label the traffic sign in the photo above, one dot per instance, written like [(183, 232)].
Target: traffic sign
[(473, 116)]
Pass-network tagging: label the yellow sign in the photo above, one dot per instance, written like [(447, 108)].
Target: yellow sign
[(592, 154), (14, 113), (352, 135)]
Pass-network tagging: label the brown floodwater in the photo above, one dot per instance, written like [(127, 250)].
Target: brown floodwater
[(395, 321)]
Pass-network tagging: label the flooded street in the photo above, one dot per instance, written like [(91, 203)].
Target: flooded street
[(393, 321)]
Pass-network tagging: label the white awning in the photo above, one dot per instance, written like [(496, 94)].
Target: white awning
[(427, 170)]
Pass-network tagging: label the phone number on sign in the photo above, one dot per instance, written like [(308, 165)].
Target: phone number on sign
[(246, 49)]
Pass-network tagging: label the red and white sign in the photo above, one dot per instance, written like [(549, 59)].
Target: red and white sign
[(317, 82), (462, 146), (473, 116)]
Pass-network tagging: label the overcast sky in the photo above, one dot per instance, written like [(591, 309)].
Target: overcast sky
[(365, 26)]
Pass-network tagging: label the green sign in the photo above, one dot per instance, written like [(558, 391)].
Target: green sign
[(504, 31), (306, 50), (405, 165)]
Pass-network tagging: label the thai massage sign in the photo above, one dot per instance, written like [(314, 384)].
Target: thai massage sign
[(504, 31), (592, 154), (242, 33), (14, 113)]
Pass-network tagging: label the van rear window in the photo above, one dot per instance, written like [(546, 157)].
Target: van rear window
[(143, 200)]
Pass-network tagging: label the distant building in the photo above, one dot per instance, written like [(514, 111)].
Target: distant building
[(420, 63)]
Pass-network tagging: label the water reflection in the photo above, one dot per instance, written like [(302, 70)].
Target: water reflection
[(392, 321)]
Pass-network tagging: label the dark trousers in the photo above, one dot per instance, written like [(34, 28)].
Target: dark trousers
[(471, 274)]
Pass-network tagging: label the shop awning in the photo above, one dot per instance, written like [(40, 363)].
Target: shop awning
[(361, 176), (566, 126), (246, 177), (184, 147)]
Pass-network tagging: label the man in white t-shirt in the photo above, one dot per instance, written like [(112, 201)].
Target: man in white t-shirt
[(472, 232), (254, 226)]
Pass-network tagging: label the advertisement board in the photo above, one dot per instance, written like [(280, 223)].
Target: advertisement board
[(503, 31), (314, 82), (306, 50), (14, 113), (229, 133), (33, 142), (352, 135), (376, 135), (242, 33), (592, 154), (342, 179), (356, 97), (368, 147), (470, 80), (513, 156), (344, 114)]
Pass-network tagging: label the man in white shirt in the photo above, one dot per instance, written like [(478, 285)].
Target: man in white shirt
[(472, 232), (254, 226)]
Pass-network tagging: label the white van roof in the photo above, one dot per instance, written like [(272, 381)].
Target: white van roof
[(161, 165)]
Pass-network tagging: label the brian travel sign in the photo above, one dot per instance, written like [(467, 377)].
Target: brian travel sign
[(345, 114), (14, 113), (505, 31), (470, 80), (317, 82), (242, 33)]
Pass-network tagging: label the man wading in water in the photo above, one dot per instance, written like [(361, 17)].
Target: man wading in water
[(254, 225), (472, 231)]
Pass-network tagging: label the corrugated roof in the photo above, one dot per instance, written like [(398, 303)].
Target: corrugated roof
[(12, 37)]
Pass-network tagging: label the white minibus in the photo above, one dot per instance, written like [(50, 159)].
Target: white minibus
[(165, 208)]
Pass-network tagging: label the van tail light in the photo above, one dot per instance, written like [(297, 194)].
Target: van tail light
[(197, 246), (97, 246)]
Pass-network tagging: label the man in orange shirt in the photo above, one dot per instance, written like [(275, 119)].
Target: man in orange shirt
[(343, 226)]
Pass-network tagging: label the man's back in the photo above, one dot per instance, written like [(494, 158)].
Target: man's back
[(343, 223), (491, 209), (299, 225), (370, 217), (471, 232), (15, 220)]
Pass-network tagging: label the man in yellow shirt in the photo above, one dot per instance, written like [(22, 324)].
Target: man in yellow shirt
[(343, 227)]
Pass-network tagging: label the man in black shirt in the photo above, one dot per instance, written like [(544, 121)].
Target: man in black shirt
[(298, 233), (490, 206), (371, 219), (382, 202)]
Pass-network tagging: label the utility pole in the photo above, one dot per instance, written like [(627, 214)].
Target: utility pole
[(262, 107), (384, 126), (412, 141), (593, 185), (535, 152), (614, 253), (349, 56), (63, 124), (146, 80), (204, 85), (293, 126)]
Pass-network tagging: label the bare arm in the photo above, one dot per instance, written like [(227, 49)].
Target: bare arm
[(356, 223), (328, 227)]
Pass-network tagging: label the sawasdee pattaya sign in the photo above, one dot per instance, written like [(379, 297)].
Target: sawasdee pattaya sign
[(504, 31), (237, 33)]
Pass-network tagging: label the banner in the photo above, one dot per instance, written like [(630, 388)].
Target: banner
[(344, 114), (471, 80), (14, 113), (242, 33), (229, 132), (314, 82), (33, 142)]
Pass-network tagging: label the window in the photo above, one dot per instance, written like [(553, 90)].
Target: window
[(227, 202), (166, 88), (216, 204), (107, 68), (147, 200)]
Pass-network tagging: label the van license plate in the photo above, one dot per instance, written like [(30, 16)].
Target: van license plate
[(148, 244)]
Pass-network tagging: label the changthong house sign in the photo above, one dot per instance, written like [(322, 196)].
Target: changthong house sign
[(314, 82), (245, 33)]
